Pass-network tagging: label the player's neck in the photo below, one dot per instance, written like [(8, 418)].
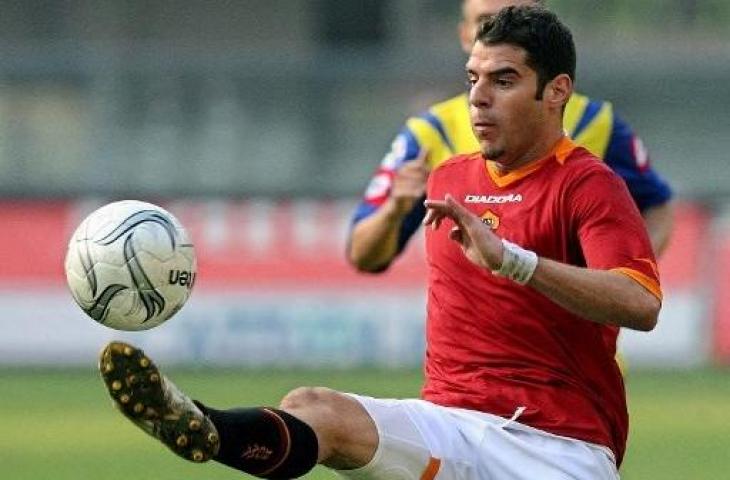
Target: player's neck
[(540, 149)]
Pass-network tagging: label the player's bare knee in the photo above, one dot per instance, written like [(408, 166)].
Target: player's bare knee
[(304, 397), (331, 413)]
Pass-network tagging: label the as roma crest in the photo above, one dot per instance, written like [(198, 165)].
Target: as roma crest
[(490, 219)]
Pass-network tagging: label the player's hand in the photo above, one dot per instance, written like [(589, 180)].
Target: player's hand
[(409, 183), (480, 245)]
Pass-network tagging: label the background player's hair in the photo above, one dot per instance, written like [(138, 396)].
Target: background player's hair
[(547, 41)]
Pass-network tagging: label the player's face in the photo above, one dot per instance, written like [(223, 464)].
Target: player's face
[(475, 12), (506, 118)]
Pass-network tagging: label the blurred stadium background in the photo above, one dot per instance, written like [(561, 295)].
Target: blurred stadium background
[(258, 123)]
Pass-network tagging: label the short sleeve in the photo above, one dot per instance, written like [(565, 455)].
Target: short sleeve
[(610, 230), (405, 147), (629, 158)]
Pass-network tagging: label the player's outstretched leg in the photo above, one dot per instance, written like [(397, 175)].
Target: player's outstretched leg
[(155, 404), (265, 442)]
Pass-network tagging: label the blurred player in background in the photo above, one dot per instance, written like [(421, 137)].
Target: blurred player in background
[(525, 301), (392, 208)]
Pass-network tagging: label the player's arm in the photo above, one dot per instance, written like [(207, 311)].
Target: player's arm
[(376, 239), (603, 296), (629, 158), (659, 221), (392, 208)]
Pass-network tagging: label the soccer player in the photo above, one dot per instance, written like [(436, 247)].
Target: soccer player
[(392, 207), (525, 299)]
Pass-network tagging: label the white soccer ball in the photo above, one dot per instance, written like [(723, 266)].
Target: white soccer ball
[(130, 265)]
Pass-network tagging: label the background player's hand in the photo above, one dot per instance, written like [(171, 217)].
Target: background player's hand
[(480, 245), (409, 183)]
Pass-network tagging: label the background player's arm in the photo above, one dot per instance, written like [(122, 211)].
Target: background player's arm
[(601, 296), (659, 221), (629, 158), (374, 240)]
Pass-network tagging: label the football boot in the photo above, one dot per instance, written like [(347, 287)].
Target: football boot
[(155, 404)]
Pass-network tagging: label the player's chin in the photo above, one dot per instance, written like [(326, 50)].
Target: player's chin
[(492, 152), (490, 146)]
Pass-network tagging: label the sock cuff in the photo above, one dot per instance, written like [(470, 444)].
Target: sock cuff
[(264, 442), (303, 447)]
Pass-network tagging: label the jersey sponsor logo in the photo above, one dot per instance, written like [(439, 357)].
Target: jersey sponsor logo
[(490, 219), (378, 187), (511, 198)]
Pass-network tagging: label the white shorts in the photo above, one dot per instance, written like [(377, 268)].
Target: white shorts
[(423, 441)]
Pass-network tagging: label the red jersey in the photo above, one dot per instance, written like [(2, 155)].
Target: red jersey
[(493, 345)]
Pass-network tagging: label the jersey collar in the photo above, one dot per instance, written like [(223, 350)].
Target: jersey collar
[(559, 153)]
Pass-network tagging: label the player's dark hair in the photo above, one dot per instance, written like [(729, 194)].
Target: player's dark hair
[(548, 43)]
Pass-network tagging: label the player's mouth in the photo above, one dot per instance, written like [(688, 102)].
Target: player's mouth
[(484, 129)]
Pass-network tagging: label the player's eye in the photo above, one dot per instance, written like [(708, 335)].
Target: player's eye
[(503, 82)]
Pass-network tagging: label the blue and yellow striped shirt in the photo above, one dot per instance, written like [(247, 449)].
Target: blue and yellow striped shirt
[(445, 131)]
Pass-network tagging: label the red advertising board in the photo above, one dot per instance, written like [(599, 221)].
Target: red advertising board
[(238, 244), (254, 249)]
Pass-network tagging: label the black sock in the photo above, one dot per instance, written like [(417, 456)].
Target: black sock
[(264, 442)]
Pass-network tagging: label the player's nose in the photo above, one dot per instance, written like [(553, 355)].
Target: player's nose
[(480, 96)]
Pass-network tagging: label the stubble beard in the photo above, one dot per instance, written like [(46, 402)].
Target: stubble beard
[(493, 153)]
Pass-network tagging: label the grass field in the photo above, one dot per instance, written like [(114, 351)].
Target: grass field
[(60, 424)]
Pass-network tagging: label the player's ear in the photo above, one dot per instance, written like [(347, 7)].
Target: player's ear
[(558, 90)]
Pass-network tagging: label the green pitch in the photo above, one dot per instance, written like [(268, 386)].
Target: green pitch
[(60, 424)]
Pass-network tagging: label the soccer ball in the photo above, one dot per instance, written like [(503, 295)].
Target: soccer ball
[(130, 265)]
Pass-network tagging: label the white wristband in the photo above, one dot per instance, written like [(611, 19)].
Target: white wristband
[(518, 264)]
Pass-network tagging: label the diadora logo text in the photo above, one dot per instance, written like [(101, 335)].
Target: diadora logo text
[(511, 198)]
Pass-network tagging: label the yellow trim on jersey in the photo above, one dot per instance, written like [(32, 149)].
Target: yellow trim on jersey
[(597, 134), (454, 116), (428, 138), (574, 111), (644, 280)]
